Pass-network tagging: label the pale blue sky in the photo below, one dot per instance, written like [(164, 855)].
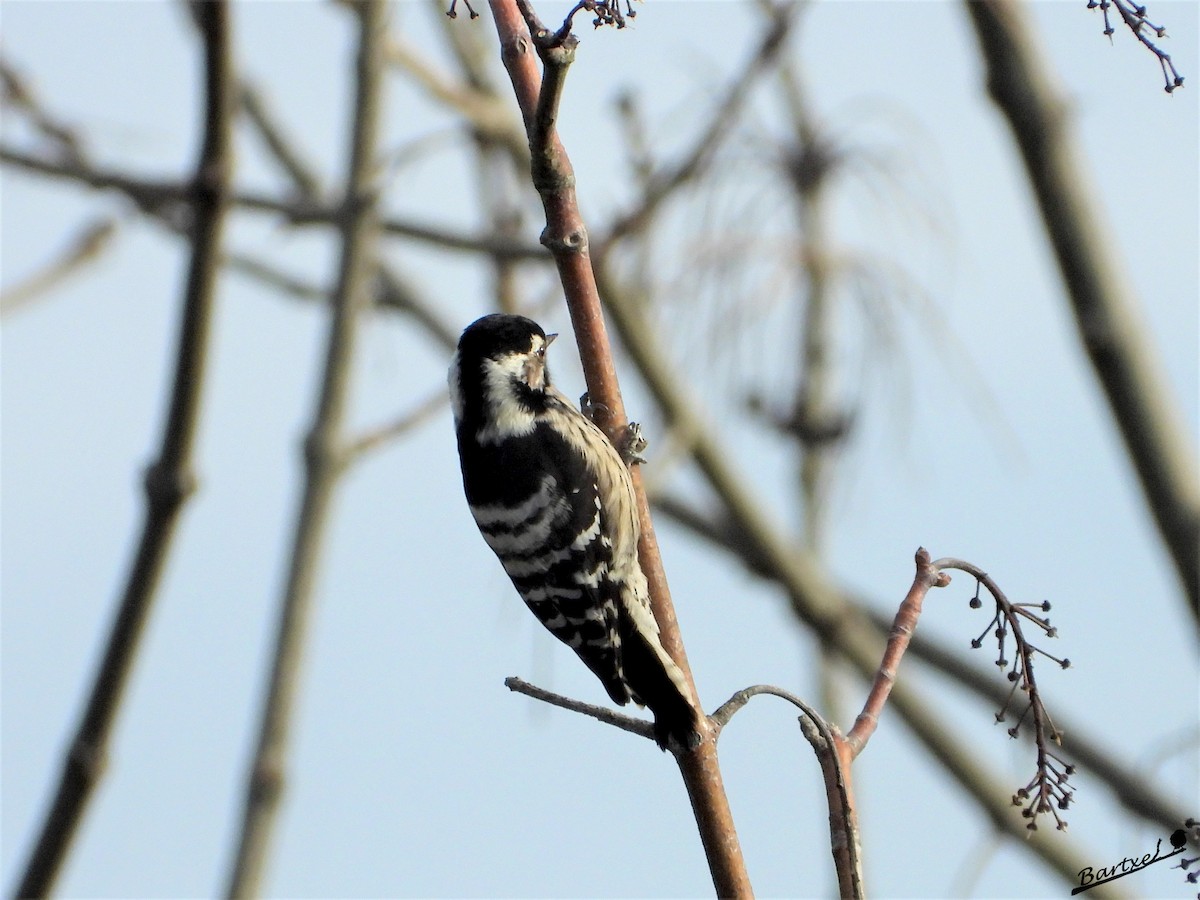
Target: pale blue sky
[(414, 772)]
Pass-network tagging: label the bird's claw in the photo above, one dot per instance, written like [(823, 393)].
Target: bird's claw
[(634, 444), (590, 409)]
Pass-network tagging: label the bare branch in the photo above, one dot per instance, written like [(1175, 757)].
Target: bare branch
[(1129, 787), (85, 247), (833, 753), (1134, 17), (377, 438), (815, 600), (324, 455), (485, 113), (281, 147), (1111, 327), (640, 727), (903, 628), (20, 95), (169, 480), (566, 237), (665, 182), (167, 199)]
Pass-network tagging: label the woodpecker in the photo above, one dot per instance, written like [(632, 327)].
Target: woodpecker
[(554, 500)]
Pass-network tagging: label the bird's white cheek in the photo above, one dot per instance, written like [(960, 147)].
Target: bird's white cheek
[(505, 415)]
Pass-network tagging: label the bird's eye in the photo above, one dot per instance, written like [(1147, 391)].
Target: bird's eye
[(541, 352)]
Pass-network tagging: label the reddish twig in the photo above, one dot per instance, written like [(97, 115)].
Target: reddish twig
[(903, 627)]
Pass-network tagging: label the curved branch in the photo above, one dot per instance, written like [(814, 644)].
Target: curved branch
[(1131, 789), (833, 753), (816, 601)]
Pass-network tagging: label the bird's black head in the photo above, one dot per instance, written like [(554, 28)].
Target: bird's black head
[(498, 335), (499, 374)]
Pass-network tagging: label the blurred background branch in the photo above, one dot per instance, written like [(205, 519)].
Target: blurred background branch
[(1106, 311), (750, 314), (171, 479), (326, 452)]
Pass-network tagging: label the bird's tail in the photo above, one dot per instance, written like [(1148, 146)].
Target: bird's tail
[(657, 682)]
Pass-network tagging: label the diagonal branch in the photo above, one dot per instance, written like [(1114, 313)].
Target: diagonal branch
[(169, 480), (566, 237), (1110, 325), (86, 247), (324, 456), (899, 637), (663, 183), (283, 150)]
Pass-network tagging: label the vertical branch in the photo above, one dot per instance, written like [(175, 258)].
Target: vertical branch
[(169, 480), (324, 456), (567, 239), (1110, 326), (808, 164)]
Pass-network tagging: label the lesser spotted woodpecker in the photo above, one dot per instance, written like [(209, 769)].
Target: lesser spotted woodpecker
[(554, 500)]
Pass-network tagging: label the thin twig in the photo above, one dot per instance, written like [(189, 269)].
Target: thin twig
[(1133, 14), (664, 183), (378, 437), (1048, 791), (85, 247), (608, 716), (484, 112), (323, 455), (169, 481), (281, 147), (1129, 788), (903, 628), (815, 600), (501, 162), (19, 94)]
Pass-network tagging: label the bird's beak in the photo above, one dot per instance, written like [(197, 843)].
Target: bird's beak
[(550, 338)]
